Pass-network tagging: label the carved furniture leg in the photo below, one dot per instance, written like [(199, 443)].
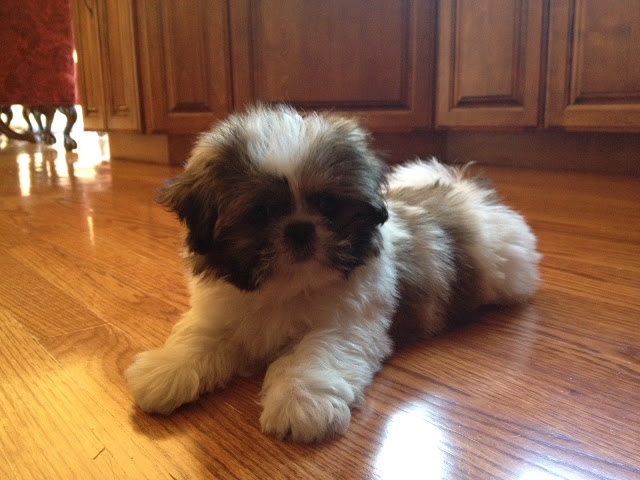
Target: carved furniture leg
[(34, 112), (6, 130), (70, 112), (48, 111)]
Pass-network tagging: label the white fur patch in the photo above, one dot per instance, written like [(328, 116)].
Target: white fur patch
[(420, 173), (278, 140)]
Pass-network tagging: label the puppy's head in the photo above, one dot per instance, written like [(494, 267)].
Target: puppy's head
[(270, 193)]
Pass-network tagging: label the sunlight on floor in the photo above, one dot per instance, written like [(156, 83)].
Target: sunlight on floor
[(52, 165), (413, 447)]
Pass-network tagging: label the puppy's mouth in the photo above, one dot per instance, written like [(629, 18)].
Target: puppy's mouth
[(304, 255)]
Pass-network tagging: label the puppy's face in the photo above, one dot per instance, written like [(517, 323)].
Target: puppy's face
[(271, 194)]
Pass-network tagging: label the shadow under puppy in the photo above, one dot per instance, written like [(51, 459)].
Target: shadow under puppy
[(302, 254)]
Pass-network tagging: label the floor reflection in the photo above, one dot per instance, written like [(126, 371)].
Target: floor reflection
[(533, 473), (51, 166), (412, 448)]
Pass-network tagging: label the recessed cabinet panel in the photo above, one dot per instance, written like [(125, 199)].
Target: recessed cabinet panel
[(119, 66), (107, 76), (372, 56), (89, 67), (185, 64), (594, 65), (331, 52), (493, 70), (489, 63)]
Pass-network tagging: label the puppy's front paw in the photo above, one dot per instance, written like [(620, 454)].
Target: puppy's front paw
[(304, 416), (160, 383)]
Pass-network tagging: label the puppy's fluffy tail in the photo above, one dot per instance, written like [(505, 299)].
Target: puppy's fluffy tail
[(499, 241), (423, 173)]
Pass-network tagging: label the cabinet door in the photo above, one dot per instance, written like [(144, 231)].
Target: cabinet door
[(371, 57), (594, 65), (119, 65), (489, 57), (184, 51), (89, 68)]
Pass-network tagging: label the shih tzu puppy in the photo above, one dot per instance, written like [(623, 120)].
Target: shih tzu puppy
[(304, 254)]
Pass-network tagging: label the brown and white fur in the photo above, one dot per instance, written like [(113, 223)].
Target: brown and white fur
[(304, 255)]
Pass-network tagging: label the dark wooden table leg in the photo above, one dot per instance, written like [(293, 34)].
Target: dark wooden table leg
[(5, 129), (70, 112), (48, 111)]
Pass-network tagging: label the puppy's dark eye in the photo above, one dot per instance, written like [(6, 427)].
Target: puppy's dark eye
[(259, 214), (324, 204), (265, 212)]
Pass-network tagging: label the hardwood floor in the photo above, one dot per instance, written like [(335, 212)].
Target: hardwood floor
[(90, 275)]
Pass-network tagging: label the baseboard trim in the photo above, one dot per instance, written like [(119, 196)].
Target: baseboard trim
[(550, 150), (152, 148)]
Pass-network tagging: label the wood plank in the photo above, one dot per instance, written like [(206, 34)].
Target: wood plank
[(52, 427), (97, 358), (41, 307), (102, 293), (546, 390)]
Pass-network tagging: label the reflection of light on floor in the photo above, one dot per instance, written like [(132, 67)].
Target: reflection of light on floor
[(24, 175), (534, 474), (42, 164), (90, 224), (412, 447), (92, 151)]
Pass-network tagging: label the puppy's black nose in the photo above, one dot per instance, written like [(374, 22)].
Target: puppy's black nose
[(300, 234)]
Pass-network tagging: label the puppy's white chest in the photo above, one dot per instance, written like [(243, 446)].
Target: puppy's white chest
[(268, 330)]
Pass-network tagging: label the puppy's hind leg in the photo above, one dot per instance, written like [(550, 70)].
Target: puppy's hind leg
[(507, 256), (193, 360)]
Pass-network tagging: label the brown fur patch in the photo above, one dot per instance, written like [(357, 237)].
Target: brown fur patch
[(448, 293)]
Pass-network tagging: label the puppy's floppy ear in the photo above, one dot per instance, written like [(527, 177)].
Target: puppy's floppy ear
[(194, 203), (380, 213), (377, 203)]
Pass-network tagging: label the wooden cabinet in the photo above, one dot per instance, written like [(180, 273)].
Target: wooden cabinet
[(154, 73), (489, 59), (373, 57), (594, 65), (107, 77), (185, 65), (89, 67), (121, 87)]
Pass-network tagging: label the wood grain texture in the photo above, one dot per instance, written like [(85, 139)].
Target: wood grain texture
[(91, 275), (90, 78), (119, 65), (489, 59), (558, 150), (107, 65), (184, 64), (594, 65), (374, 58)]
